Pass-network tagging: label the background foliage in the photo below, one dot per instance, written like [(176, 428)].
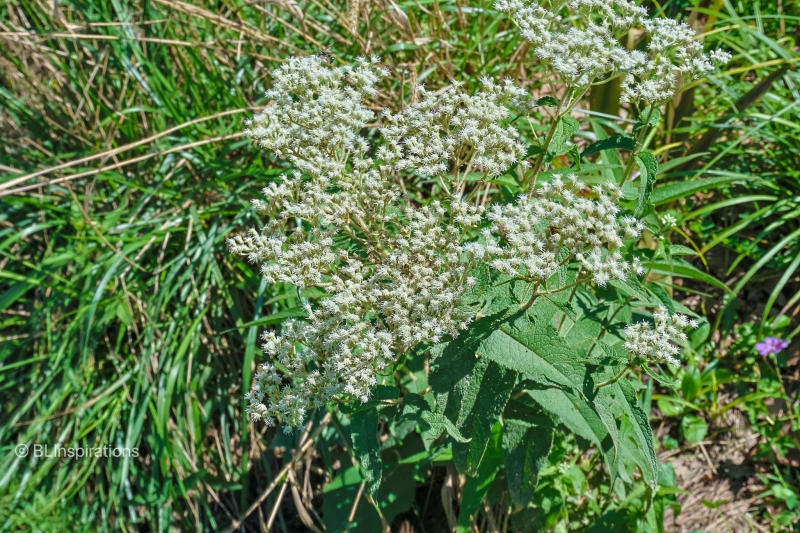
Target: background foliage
[(126, 322)]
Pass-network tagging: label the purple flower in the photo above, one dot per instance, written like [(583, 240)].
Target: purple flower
[(771, 345)]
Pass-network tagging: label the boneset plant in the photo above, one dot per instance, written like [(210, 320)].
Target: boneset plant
[(524, 286)]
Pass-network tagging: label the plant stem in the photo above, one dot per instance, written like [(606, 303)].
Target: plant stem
[(615, 378), (637, 147)]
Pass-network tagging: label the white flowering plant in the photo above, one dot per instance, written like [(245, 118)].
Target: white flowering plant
[(512, 280)]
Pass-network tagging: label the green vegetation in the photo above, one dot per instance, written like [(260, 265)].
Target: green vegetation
[(126, 322)]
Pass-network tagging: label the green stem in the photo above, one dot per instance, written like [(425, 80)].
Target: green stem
[(637, 148), (615, 378)]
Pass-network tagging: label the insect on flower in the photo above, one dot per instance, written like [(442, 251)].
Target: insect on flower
[(325, 54)]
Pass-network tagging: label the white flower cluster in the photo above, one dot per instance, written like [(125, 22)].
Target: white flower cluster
[(655, 344), (592, 52), (317, 113), (457, 127), (396, 272), (558, 225), (406, 292)]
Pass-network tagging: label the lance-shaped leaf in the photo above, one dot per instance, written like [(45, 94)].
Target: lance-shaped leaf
[(364, 428), (618, 142), (648, 168), (454, 366), (527, 439), (491, 388), (477, 487), (417, 409)]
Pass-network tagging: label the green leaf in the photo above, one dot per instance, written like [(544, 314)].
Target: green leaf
[(681, 189), (690, 385), (679, 249), (492, 390), (275, 318), (123, 313), (527, 439), (560, 383), (453, 366), (534, 348), (671, 383), (648, 168), (565, 129), (590, 420), (417, 409), (381, 396), (473, 299), (617, 142), (575, 156), (366, 446), (396, 494), (661, 293), (641, 434), (693, 428), (655, 118), (477, 487), (682, 269), (633, 287), (548, 101)]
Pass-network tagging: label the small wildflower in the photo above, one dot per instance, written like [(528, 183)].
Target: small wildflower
[(669, 220), (655, 343), (771, 345)]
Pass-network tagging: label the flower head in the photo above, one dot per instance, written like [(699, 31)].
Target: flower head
[(771, 345), (656, 343)]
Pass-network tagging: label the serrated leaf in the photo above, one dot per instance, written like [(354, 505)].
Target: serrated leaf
[(533, 348), (642, 433), (476, 487), (633, 287), (527, 439), (661, 293), (565, 129), (618, 142), (590, 420), (648, 168), (560, 386), (453, 367), (366, 446), (417, 409), (679, 249), (380, 396), (492, 391), (655, 118), (473, 298)]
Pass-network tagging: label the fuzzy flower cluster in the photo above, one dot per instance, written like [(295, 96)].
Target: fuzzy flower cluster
[(318, 113), (560, 224), (395, 274), (456, 127), (656, 343), (396, 270), (592, 52)]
